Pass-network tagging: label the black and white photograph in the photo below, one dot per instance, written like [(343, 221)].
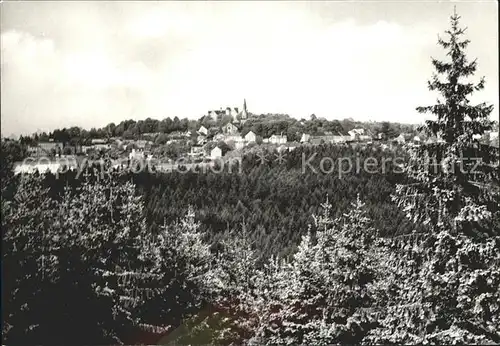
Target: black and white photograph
[(250, 173)]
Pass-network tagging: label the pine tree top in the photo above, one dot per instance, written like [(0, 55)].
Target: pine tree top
[(457, 120)]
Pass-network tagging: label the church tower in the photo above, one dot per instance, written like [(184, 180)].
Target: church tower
[(244, 113)]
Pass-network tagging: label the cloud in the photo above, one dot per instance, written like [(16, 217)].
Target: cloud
[(181, 59), (45, 88)]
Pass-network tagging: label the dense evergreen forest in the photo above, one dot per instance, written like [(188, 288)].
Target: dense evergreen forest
[(267, 253), (274, 200)]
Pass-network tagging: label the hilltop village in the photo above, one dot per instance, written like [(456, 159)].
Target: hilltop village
[(226, 132)]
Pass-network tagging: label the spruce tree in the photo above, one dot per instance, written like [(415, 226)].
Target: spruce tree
[(27, 263), (184, 283), (328, 288), (444, 284), (451, 177)]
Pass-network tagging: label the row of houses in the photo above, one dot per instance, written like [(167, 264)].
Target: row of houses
[(202, 151), (54, 148), (330, 137), (229, 134), (276, 139), (49, 148), (360, 135)]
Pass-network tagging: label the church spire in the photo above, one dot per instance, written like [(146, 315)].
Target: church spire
[(244, 112)]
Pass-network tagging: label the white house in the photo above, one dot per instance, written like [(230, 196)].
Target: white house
[(233, 138), (250, 137), (42, 168), (86, 148), (340, 139), (493, 135), (203, 130), (239, 145), (101, 146), (305, 138), (219, 137), (49, 147), (136, 154), (404, 138), (229, 129), (365, 138), (99, 141), (142, 144), (281, 148), (201, 139), (356, 133), (433, 140), (278, 139), (196, 151), (216, 153), (400, 139)]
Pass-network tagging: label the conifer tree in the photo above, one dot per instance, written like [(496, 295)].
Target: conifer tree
[(456, 172), (444, 284), (101, 232), (75, 255), (184, 280), (28, 266), (328, 288), (233, 305), (440, 288)]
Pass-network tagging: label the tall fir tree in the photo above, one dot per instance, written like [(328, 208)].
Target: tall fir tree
[(328, 289), (452, 176), (74, 255), (443, 287), (27, 262), (184, 284)]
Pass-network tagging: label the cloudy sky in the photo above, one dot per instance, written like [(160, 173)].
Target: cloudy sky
[(92, 63)]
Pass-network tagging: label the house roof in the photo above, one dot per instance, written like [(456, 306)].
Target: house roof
[(358, 131), (235, 137), (405, 136)]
